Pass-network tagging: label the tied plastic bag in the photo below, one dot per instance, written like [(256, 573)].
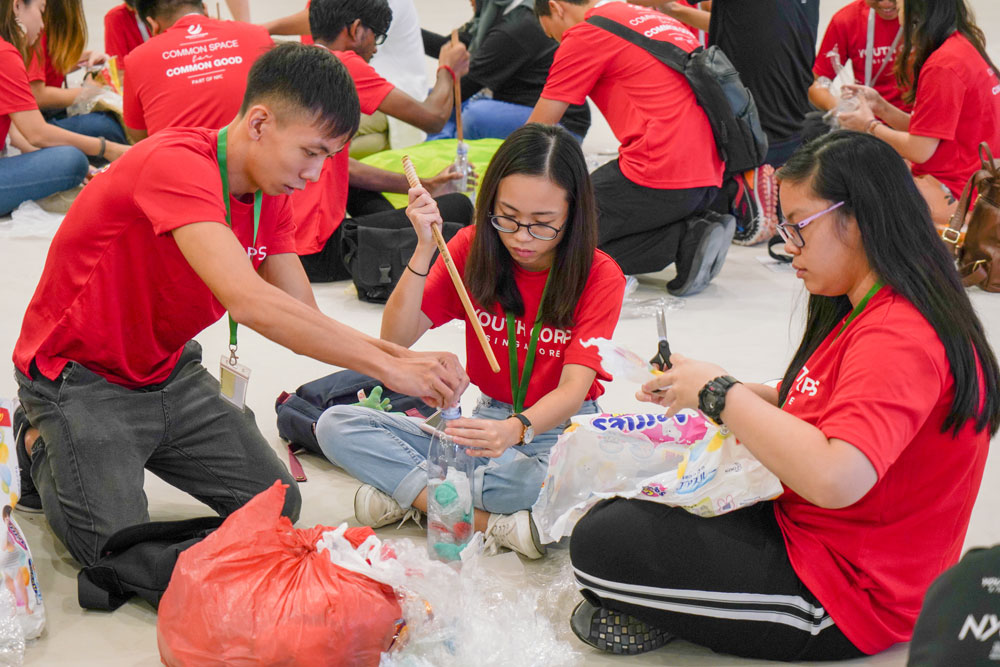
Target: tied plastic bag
[(259, 592), (16, 564), (684, 460)]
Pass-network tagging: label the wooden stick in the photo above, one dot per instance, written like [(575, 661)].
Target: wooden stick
[(463, 294), (458, 94), (218, 11)]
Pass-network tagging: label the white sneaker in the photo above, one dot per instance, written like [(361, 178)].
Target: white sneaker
[(375, 508), (516, 532)]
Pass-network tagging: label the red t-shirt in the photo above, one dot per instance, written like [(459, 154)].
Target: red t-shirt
[(15, 91), (40, 67), (192, 75), (846, 40), (958, 102), (121, 32), (320, 206), (596, 316), (885, 386), (116, 294), (666, 140)]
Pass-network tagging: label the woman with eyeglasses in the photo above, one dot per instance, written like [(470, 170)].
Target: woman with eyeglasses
[(879, 432), (539, 287)]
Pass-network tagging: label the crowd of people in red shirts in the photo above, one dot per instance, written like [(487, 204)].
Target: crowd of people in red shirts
[(230, 174)]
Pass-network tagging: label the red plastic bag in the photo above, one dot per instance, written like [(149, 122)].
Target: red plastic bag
[(257, 592)]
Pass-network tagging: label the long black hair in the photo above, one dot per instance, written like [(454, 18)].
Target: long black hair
[(926, 25), (906, 253), (551, 152)]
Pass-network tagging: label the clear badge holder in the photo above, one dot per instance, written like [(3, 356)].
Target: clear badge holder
[(233, 380)]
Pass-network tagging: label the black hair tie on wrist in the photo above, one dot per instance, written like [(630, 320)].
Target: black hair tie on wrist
[(422, 275)]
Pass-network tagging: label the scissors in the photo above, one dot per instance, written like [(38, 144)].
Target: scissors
[(661, 359)]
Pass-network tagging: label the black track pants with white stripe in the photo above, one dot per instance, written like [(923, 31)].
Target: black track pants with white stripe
[(724, 582)]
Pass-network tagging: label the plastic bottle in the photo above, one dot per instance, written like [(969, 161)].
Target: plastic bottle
[(463, 167), (449, 494)]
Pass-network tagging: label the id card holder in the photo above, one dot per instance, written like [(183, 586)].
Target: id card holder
[(233, 379)]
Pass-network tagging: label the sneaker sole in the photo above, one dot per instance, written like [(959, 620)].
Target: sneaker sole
[(24, 509), (713, 244), (606, 631), (728, 223)]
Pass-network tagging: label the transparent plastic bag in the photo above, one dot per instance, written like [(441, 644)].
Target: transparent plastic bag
[(95, 97), (684, 460), (11, 632), (492, 612), (17, 568)]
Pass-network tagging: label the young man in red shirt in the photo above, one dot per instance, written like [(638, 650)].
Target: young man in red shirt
[(668, 167), (151, 253), (192, 73), (123, 31), (351, 30)]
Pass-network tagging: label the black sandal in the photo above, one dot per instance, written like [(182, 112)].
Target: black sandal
[(614, 631)]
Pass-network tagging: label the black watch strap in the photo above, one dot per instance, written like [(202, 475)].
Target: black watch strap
[(712, 397), (525, 422)]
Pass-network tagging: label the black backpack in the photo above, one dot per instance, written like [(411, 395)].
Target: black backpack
[(729, 105), (298, 412), (376, 257)]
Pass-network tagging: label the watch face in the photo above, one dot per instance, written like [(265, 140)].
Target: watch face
[(529, 434), (711, 402)]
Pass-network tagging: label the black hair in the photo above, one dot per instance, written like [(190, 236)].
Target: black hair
[(552, 152), (905, 252), (542, 6), (327, 18), (309, 79), (926, 25), (161, 9)]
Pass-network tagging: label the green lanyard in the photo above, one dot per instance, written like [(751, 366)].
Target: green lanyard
[(519, 389), (257, 200), (858, 308)]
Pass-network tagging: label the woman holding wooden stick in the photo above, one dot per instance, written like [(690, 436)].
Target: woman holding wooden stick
[(539, 287)]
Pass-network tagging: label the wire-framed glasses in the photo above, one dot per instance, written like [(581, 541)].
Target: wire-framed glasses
[(508, 225), (790, 231)]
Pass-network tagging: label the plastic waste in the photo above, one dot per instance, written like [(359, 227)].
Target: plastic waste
[(11, 632), (464, 168)]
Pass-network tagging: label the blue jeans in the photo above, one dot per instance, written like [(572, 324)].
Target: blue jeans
[(39, 174), (389, 451), (95, 124), (484, 118)]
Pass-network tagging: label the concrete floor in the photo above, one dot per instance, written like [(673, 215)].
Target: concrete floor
[(747, 320)]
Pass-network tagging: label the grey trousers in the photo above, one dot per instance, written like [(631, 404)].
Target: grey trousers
[(96, 438)]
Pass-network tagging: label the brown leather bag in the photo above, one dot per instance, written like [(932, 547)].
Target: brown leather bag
[(977, 251)]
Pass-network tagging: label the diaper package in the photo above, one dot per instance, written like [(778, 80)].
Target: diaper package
[(684, 460)]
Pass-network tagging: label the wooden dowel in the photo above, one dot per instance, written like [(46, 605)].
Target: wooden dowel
[(463, 294), (458, 94)]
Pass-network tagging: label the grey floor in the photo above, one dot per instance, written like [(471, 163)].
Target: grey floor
[(747, 321)]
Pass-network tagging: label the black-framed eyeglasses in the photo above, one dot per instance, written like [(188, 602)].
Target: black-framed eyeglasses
[(508, 225), (379, 36), (790, 231)]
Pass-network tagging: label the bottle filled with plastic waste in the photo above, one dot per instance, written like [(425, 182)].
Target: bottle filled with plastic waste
[(449, 494), (464, 168)]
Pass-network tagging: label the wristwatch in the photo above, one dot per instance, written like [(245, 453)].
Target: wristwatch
[(527, 430), (712, 397)]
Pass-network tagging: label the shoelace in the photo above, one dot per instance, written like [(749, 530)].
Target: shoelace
[(495, 538), (414, 515)]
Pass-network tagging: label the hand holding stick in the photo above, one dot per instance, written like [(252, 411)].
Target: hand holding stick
[(463, 294)]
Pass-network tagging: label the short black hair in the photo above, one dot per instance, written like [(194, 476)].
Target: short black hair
[(309, 79), (327, 18), (157, 9), (542, 6)]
